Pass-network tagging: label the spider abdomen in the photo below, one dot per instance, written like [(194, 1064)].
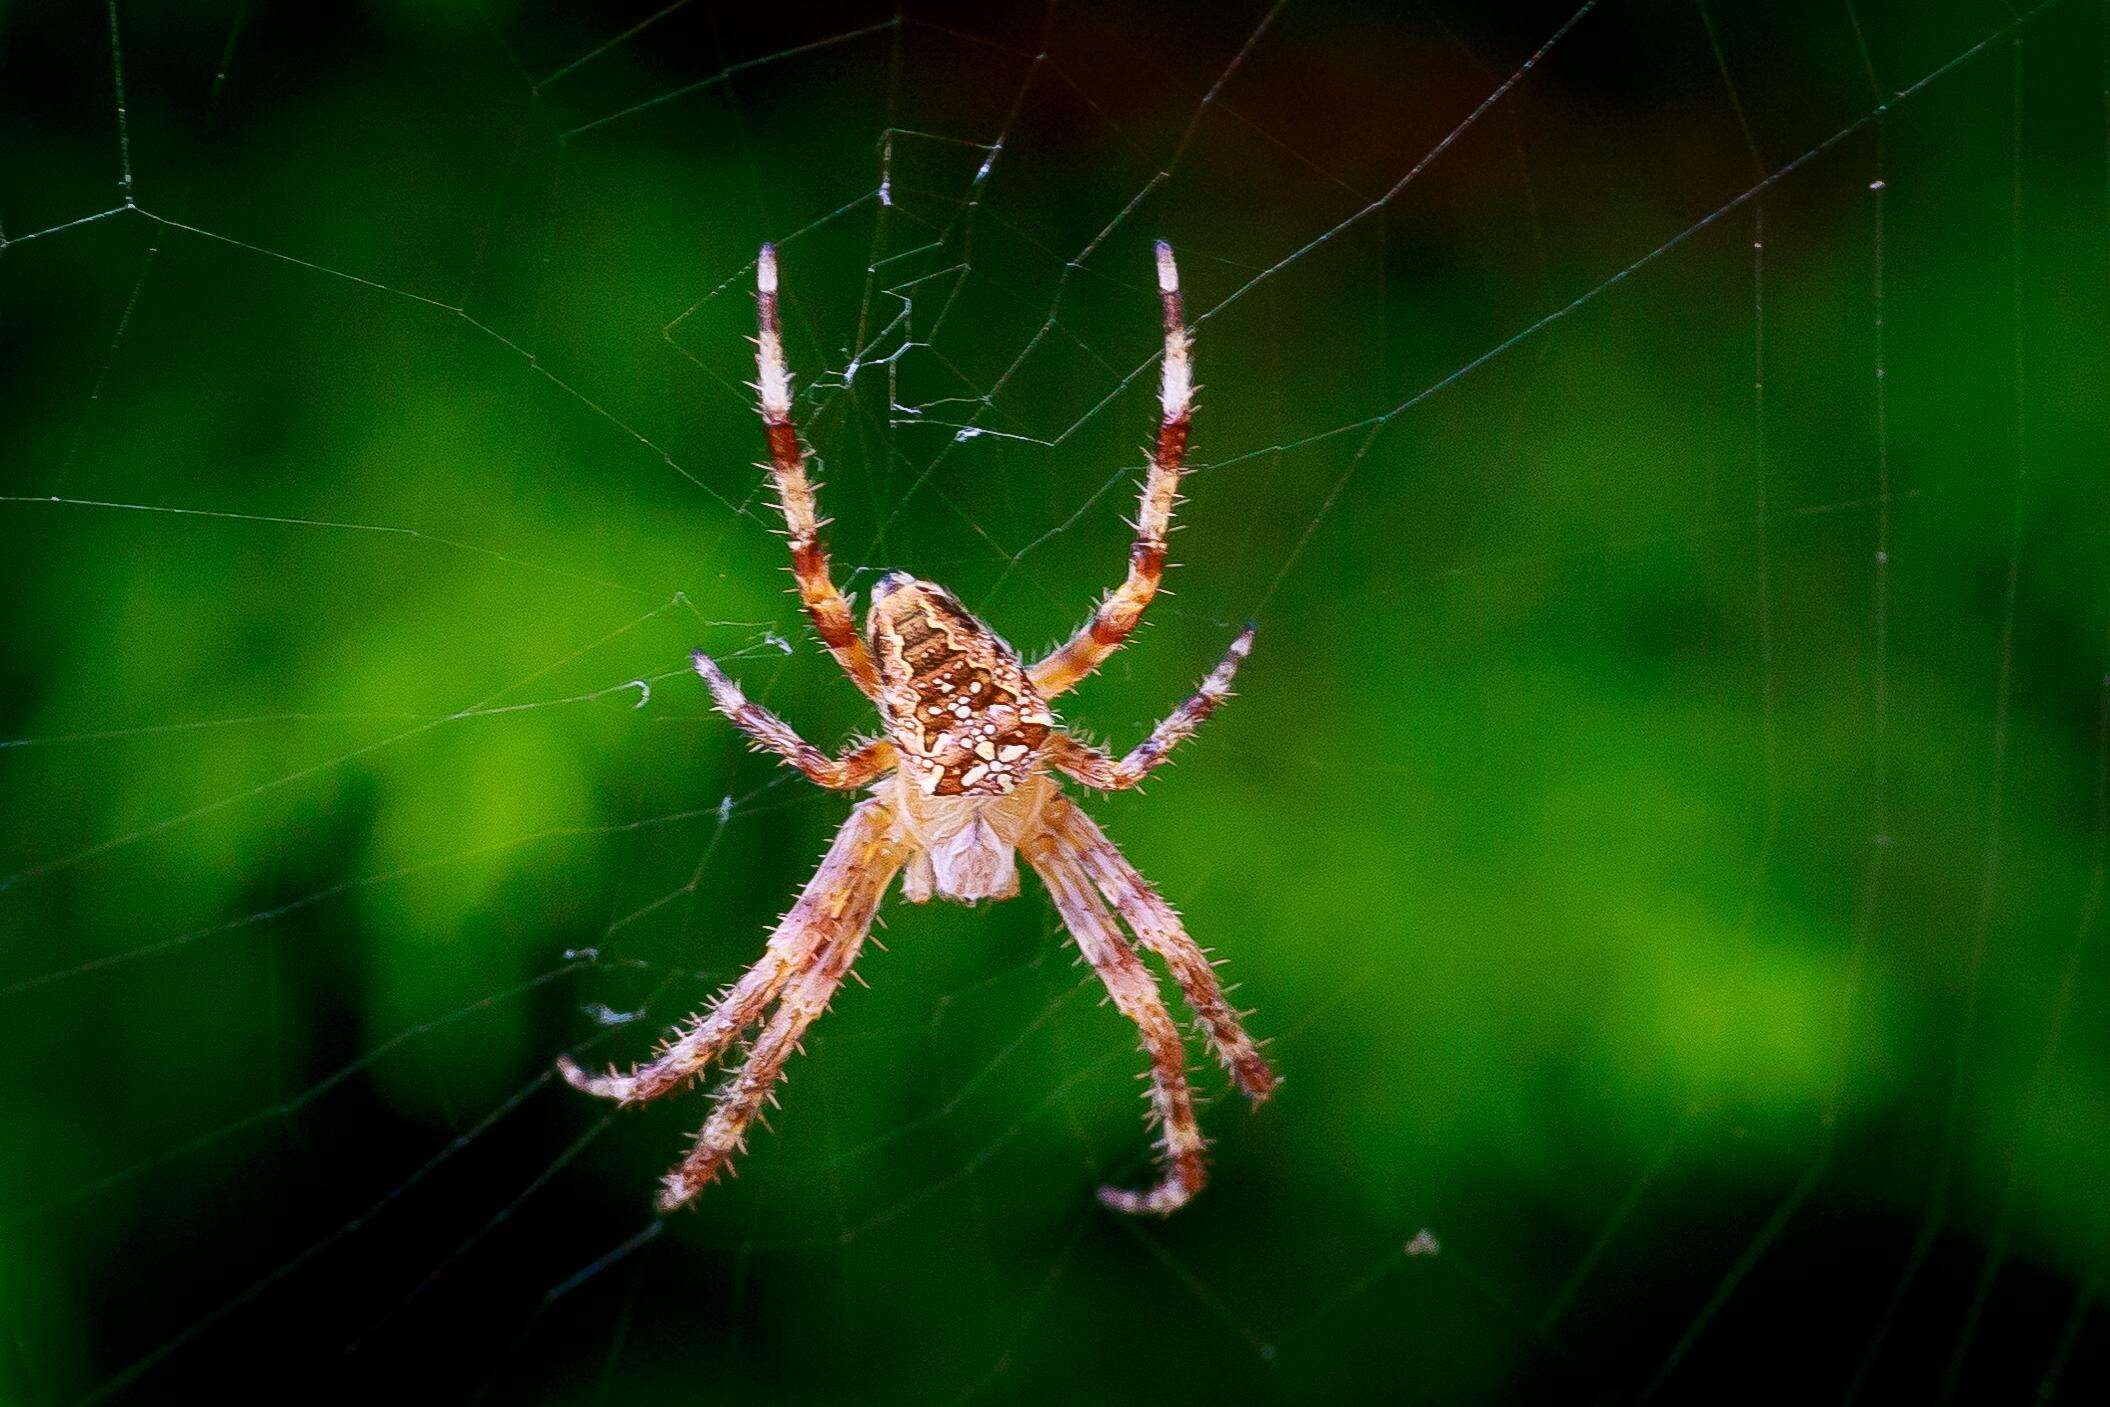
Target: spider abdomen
[(957, 702)]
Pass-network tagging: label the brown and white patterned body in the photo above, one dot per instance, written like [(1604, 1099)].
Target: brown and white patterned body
[(970, 731)]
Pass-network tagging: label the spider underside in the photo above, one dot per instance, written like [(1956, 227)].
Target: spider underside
[(960, 787)]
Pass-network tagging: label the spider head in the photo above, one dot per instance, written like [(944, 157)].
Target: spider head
[(957, 702)]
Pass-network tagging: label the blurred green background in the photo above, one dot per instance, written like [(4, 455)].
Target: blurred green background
[(1662, 828)]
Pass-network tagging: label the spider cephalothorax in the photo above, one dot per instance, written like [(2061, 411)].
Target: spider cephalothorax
[(960, 789)]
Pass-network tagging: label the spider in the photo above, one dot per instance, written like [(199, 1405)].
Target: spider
[(960, 785)]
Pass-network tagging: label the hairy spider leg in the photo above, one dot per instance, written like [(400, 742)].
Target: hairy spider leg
[(1096, 769), (1117, 615), (858, 766), (740, 1100), (1135, 994), (825, 605), (1157, 926), (840, 899)]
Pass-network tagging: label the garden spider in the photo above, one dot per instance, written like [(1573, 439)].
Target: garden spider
[(959, 785)]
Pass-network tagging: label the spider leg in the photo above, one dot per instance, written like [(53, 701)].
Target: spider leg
[(1096, 769), (1135, 993), (840, 899), (857, 766), (1157, 926), (725, 1133), (825, 605), (1117, 615)]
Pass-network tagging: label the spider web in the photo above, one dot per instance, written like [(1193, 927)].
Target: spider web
[(1663, 830)]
